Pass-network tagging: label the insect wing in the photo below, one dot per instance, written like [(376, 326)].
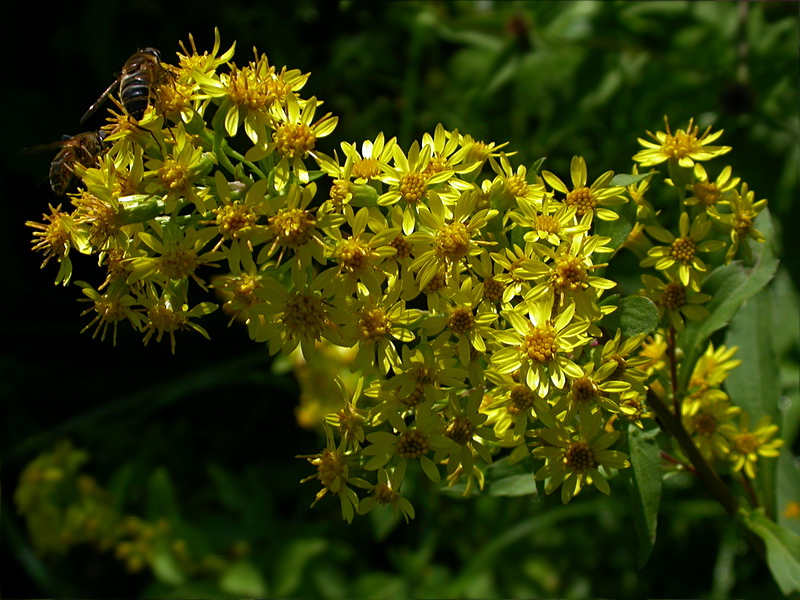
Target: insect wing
[(100, 100)]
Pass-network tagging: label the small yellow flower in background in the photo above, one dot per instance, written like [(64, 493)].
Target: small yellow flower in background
[(746, 445), (596, 199), (573, 458), (684, 147)]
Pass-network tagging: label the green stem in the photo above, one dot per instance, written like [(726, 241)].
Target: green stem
[(708, 476)]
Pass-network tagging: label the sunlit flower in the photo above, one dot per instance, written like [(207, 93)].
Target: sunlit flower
[(596, 199), (680, 253), (707, 193), (539, 345), (684, 147)]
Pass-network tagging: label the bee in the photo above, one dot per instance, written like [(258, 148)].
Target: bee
[(83, 149), (141, 73)]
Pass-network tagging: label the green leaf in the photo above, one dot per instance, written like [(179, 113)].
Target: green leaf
[(729, 287), (783, 551), (514, 485), (161, 499), (626, 179), (294, 558), (634, 315), (643, 480), (243, 579), (617, 230), (166, 567), (755, 386)]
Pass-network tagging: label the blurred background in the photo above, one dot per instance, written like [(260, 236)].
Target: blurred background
[(204, 442)]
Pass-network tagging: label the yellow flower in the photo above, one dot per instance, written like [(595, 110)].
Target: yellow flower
[(166, 312), (333, 472), (511, 187), (410, 443), (681, 253), (554, 223), (463, 317), (539, 345), (704, 422), (595, 199), (747, 446), (707, 193), (684, 147), (386, 493), (410, 182), (740, 220), (294, 137), (443, 242), (573, 458), (676, 300)]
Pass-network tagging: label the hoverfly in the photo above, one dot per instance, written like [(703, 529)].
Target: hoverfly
[(82, 149), (141, 73)]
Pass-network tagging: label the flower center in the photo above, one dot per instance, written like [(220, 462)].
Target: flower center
[(305, 315), (742, 225), (177, 263), (366, 168), (683, 249), (353, 255), (546, 223), (680, 145), (569, 274), (582, 200), (493, 289), (674, 295), (173, 175), (516, 186), (413, 187), (374, 324), (294, 139), (292, 227), (462, 320), (245, 89), (746, 443), (579, 457), (521, 399), (583, 390), (705, 424), (452, 242), (412, 444), (438, 282), (707, 192), (540, 344), (402, 246), (231, 218), (459, 430)]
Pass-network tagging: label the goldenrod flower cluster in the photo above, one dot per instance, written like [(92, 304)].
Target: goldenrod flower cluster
[(470, 291)]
